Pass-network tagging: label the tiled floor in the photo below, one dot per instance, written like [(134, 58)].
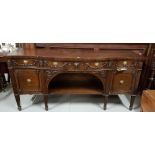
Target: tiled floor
[(66, 103)]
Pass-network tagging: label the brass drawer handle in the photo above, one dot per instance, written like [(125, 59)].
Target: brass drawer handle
[(25, 61), (96, 64), (125, 63), (76, 64), (55, 63), (28, 80), (121, 82), (119, 69)]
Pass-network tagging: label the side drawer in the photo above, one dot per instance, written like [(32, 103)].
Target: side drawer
[(125, 76), (122, 83), (24, 62), (28, 80), (128, 64)]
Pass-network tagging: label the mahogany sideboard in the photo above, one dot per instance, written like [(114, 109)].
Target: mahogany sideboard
[(104, 69)]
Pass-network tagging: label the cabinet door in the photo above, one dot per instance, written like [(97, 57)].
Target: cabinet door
[(122, 83), (28, 80)]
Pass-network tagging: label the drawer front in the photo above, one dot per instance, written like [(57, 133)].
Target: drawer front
[(125, 76), (128, 64), (76, 66), (122, 82), (28, 80), (54, 64), (25, 63), (124, 63)]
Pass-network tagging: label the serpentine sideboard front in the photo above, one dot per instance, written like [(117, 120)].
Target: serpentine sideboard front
[(81, 70)]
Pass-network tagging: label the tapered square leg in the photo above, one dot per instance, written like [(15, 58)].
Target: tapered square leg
[(17, 97), (132, 102), (46, 102), (105, 101)]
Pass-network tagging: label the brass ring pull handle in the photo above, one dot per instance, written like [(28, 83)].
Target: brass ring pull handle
[(76, 64), (96, 64), (28, 80), (25, 61), (125, 63), (121, 82), (120, 69), (55, 63)]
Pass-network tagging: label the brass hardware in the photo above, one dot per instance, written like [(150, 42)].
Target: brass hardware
[(119, 69), (121, 82), (96, 64), (28, 80), (55, 63), (25, 61), (125, 62), (76, 64)]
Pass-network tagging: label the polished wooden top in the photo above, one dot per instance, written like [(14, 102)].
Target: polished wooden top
[(150, 94), (75, 54)]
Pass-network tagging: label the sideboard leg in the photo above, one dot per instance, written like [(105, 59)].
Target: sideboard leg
[(132, 101), (105, 101), (17, 97), (46, 102)]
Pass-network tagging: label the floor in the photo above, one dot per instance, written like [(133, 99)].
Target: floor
[(66, 103)]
